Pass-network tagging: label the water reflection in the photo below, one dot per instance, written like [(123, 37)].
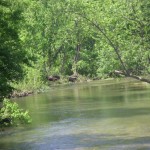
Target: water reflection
[(99, 115)]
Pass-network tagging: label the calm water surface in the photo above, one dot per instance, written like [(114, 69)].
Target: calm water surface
[(109, 115)]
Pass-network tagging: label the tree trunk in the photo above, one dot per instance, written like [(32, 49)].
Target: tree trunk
[(133, 76), (110, 43), (77, 50)]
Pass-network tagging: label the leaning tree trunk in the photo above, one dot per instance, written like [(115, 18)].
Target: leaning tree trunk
[(116, 50), (133, 76)]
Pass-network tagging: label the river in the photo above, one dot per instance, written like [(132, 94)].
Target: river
[(108, 114)]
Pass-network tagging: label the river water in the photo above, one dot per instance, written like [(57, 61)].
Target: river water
[(109, 115)]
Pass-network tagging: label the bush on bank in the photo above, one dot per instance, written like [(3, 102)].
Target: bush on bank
[(12, 115)]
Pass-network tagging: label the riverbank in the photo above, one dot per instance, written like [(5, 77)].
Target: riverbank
[(26, 90)]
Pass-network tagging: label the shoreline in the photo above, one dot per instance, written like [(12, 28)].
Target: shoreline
[(45, 87)]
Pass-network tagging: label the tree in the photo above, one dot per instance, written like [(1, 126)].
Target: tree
[(123, 31), (12, 56)]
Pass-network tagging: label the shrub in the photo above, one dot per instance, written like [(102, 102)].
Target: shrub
[(11, 114)]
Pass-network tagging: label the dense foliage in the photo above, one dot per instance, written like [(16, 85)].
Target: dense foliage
[(90, 38), (12, 56), (11, 114)]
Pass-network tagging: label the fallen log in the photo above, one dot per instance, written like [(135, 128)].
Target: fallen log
[(132, 76)]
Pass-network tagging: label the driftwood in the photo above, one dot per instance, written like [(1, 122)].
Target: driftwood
[(132, 76)]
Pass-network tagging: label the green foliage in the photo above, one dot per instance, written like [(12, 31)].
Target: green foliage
[(33, 80), (83, 37), (11, 55), (13, 113)]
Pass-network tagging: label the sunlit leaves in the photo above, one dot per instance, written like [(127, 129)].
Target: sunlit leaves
[(12, 115)]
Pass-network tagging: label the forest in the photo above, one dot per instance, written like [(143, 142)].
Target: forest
[(86, 38)]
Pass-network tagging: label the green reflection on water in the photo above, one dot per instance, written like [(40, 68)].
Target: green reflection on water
[(111, 114)]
